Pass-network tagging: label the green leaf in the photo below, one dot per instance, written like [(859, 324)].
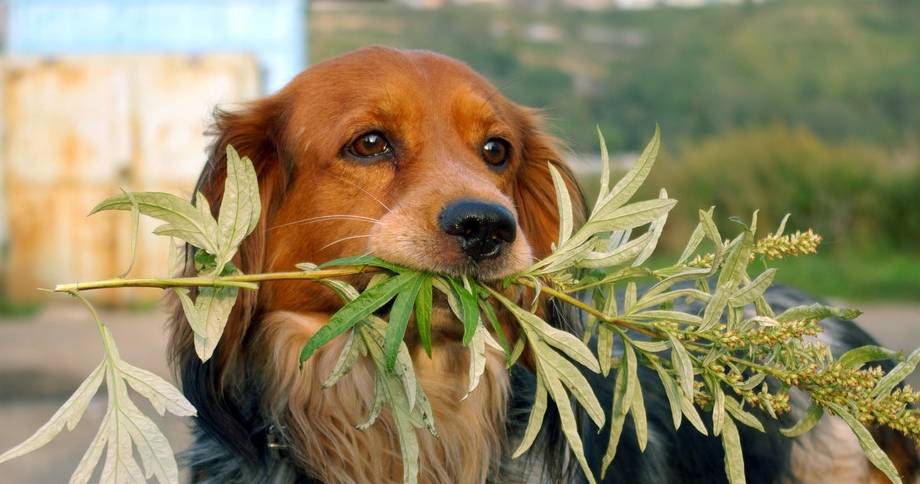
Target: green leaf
[(857, 357), (183, 220), (163, 395), (638, 415), (208, 315), (747, 294), (680, 359), (477, 366), (672, 391), (605, 168), (67, 416), (620, 255), (469, 307), (135, 222), (363, 260), (897, 374), (554, 364), (718, 407), (695, 238), (654, 232), (356, 311), (399, 319), (627, 186), (240, 206), (808, 422), (651, 346), (709, 227), (535, 421), (817, 312), (569, 425), (347, 358), (741, 415), (875, 454), (423, 308), (623, 393), (605, 348), (677, 316), (734, 457), (563, 204), (713, 313), (631, 216)]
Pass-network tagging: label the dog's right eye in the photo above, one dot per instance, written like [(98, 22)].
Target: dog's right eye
[(369, 145)]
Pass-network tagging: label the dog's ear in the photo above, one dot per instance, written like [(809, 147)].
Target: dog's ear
[(535, 194), (216, 388)]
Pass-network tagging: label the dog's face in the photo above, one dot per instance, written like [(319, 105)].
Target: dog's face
[(405, 155)]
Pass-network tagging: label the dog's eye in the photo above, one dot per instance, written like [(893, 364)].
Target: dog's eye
[(369, 145), (496, 151)]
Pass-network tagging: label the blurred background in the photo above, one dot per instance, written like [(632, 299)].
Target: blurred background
[(810, 107)]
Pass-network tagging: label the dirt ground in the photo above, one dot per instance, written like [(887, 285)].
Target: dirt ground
[(45, 357)]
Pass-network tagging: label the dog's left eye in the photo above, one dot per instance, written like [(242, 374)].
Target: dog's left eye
[(369, 145), (496, 151)]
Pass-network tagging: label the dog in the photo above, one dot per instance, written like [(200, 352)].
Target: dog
[(413, 157)]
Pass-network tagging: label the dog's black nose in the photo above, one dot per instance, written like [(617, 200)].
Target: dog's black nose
[(481, 228)]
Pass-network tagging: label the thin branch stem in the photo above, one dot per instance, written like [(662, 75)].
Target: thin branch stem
[(245, 281)]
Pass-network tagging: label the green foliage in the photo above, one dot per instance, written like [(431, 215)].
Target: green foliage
[(846, 69), (712, 362)]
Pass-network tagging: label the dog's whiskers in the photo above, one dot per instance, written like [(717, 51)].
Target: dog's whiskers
[(343, 239), (369, 194), (322, 218)]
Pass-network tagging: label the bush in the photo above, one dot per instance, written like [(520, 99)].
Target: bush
[(850, 194)]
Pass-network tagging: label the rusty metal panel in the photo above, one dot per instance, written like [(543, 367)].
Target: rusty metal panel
[(77, 129)]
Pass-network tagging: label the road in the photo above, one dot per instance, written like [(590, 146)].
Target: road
[(45, 357)]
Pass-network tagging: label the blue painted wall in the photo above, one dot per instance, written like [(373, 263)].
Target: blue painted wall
[(273, 30)]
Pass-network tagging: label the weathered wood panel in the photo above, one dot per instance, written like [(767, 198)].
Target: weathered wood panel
[(77, 129)]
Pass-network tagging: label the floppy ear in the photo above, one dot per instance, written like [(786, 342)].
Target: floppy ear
[(217, 387), (535, 194)]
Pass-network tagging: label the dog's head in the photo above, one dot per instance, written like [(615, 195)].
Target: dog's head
[(406, 155)]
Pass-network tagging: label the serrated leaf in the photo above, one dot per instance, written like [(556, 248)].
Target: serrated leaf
[(623, 392), (897, 374), (423, 308), (734, 457), (67, 416), (873, 452), (162, 394), (356, 311), (754, 289), (563, 205), (240, 206), (90, 459), (806, 423), (399, 319), (156, 455), (535, 421), (183, 220)]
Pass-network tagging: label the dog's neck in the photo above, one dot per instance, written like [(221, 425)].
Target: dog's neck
[(318, 426)]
